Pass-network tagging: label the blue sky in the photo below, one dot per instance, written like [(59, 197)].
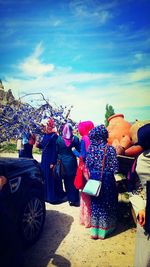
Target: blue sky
[(80, 53)]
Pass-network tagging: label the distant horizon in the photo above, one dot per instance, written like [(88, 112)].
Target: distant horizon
[(79, 54)]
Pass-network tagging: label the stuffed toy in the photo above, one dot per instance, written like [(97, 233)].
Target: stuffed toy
[(119, 133), (135, 149), (123, 135)]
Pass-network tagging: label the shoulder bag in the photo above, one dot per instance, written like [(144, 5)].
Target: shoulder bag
[(80, 181), (93, 187), (58, 169)]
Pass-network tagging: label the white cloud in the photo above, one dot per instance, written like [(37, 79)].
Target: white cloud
[(32, 66), (103, 16), (55, 22), (77, 58), (93, 11), (139, 75), (87, 92), (138, 56)]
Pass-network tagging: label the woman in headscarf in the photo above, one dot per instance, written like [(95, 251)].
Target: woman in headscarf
[(53, 192), (25, 146), (85, 202), (103, 207), (141, 200), (64, 146)]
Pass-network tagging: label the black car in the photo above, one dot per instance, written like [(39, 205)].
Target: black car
[(23, 196)]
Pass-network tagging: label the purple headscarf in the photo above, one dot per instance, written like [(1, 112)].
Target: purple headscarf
[(67, 134)]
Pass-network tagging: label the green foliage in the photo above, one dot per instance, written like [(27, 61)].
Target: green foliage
[(11, 147), (109, 112), (8, 147), (37, 150)]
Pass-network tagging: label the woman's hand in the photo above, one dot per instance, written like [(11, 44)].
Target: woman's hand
[(37, 144), (3, 181), (141, 217), (86, 173)]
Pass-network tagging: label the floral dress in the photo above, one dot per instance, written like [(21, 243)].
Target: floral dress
[(103, 207)]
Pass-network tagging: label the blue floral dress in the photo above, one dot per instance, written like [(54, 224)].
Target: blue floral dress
[(103, 207)]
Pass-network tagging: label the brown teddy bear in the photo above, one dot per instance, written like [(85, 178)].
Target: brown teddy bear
[(123, 135), (135, 149), (119, 133)]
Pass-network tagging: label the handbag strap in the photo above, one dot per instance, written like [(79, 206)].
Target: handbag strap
[(103, 162), (48, 142)]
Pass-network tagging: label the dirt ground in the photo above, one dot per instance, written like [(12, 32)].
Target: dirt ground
[(64, 242)]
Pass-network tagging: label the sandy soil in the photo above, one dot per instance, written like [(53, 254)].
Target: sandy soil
[(64, 242)]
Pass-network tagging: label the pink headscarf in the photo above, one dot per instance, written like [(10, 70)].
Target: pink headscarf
[(84, 128), (67, 134)]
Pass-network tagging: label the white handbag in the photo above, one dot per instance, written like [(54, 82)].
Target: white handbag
[(93, 187)]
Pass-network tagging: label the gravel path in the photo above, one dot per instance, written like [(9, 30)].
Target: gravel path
[(64, 242)]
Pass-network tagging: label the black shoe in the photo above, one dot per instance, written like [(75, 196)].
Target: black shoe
[(75, 204), (58, 201), (54, 202)]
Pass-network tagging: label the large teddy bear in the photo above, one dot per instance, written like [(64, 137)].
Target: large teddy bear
[(135, 149), (123, 135)]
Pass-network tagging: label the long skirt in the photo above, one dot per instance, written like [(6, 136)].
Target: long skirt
[(53, 186), (71, 192), (85, 210), (104, 209)]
